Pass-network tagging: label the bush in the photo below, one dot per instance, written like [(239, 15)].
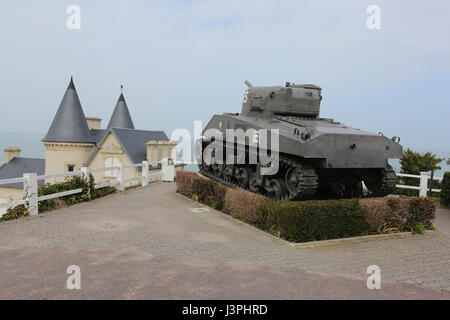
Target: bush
[(209, 192), (201, 189), (15, 213), (243, 204), (380, 217), (76, 182), (445, 191), (301, 221), (70, 183), (184, 181), (386, 215), (421, 210), (414, 163), (418, 228), (313, 220)]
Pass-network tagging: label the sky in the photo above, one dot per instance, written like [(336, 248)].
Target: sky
[(181, 61)]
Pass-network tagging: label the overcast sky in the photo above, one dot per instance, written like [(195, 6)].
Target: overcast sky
[(181, 61)]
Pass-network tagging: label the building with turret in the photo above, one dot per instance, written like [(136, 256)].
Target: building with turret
[(74, 140)]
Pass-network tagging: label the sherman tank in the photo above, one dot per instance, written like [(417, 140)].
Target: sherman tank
[(317, 157)]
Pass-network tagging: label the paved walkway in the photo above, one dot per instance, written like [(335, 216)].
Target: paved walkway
[(148, 243)]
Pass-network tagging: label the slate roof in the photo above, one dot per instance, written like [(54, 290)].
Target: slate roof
[(98, 135), (18, 166), (121, 117), (133, 142), (69, 123)]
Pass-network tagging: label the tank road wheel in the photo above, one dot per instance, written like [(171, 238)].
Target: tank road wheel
[(301, 181), (383, 184), (293, 178), (217, 169), (276, 189), (242, 175), (253, 183), (228, 172)]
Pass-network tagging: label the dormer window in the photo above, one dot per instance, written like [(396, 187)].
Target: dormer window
[(70, 168)]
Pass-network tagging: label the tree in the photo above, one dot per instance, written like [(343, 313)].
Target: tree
[(415, 163)]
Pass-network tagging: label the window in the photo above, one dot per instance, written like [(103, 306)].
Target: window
[(112, 162), (70, 168)]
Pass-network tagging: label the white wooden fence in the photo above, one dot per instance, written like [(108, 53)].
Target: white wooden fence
[(30, 184), (423, 187)]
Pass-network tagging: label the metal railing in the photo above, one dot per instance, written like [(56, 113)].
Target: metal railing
[(30, 184)]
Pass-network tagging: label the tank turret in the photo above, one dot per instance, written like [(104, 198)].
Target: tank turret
[(291, 100)]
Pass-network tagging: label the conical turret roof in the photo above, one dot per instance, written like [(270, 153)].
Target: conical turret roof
[(121, 117), (69, 124)]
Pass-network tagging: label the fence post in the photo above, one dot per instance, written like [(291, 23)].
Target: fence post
[(431, 184), (30, 191), (145, 175), (423, 184), (87, 178), (121, 177)]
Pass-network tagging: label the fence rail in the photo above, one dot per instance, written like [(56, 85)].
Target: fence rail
[(30, 183), (423, 186)]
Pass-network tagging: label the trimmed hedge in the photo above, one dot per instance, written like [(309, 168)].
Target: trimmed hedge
[(312, 220), (445, 190)]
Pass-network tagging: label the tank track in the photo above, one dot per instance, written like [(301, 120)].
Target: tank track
[(306, 187), (388, 182), (384, 184)]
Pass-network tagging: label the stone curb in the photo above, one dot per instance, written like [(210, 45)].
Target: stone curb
[(319, 243)]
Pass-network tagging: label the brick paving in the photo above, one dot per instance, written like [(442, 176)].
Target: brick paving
[(155, 220)]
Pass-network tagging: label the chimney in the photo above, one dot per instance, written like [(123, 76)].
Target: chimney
[(12, 152), (94, 122), (157, 150)]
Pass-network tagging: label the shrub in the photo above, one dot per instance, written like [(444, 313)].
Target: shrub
[(243, 204), (421, 210), (414, 163), (398, 214), (201, 189), (184, 182), (207, 191), (380, 217), (313, 220), (15, 213), (76, 182), (445, 191), (70, 183), (418, 228)]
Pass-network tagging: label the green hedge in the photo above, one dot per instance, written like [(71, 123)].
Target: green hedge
[(445, 191), (301, 221), (313, 220)]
